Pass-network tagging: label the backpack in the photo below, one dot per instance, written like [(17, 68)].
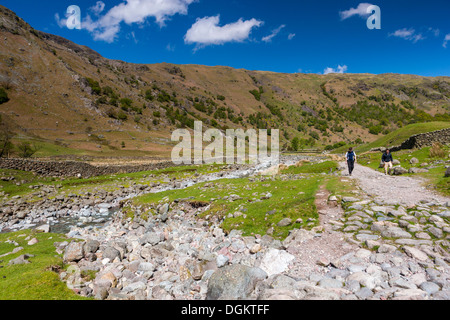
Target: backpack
[(351, 156)]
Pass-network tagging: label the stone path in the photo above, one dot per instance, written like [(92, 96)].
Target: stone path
[(393, 190)]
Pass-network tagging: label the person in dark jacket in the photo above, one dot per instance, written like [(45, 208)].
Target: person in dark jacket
[(387, 160), (351, 159)]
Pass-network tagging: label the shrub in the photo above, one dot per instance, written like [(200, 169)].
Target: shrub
[(101, 100), (108, 91), (256, 94), (126, 103), (3, 96), (164, 97), (95, 86), (111, 113), (376, 130), (314, 135), (149, 95), (122, 116), (200, 107), (437, 151)]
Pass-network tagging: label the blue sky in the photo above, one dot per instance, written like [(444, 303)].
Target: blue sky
[(282, 36)]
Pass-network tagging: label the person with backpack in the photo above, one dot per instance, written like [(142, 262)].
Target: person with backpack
[(387, 160), (351, 159)]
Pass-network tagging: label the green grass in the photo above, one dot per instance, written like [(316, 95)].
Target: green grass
[(401, 135), (32, 281), (340, 186), (323, 167), (111, 182), (290, 199), (48, 149)]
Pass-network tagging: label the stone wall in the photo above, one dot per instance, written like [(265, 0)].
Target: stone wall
[(422, 140), (74, 168)]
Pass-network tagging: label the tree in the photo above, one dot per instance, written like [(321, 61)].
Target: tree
[(6, 146), (27, 150), (295, 144)]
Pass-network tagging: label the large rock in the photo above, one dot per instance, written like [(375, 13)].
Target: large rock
[(152, 238), (23, 259), (447, 173), (436, 232), (399, 171), (430, 287), (234, 282), (111, 253), (349, 199), (285, 222), (415, 253), (363, 279), (276, 261), (164, 209), (44, 228), (417, 170), (74, 252), (91, 246), (396, 232)]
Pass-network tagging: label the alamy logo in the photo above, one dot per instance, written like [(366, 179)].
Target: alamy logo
[(374, 21), (230, 148), (73, 17)]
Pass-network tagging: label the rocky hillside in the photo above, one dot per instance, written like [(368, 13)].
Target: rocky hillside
[(71, 100)]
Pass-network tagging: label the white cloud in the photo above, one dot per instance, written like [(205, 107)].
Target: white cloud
[(62, 23), (107, 27), (361, 11), (340, 69), (273, 34), (206, 31), (291, 36), (435, 32), (408, 34), (446, 40)]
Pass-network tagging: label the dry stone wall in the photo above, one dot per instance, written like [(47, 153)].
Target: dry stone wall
[(75, 168)]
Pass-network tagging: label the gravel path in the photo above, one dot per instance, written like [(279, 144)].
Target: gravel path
[(403, 190)]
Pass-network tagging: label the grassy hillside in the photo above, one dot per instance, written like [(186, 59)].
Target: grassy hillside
[(401, 135), (75, 102)]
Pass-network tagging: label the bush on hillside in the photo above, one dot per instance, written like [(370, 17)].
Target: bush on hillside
[(95, 86), (3, 96), (26, 150), (437, 151)]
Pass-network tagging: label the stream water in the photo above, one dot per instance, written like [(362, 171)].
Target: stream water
[(101, 214)]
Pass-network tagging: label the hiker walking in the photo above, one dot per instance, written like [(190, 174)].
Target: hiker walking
[(351, 159), (387, 161)]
